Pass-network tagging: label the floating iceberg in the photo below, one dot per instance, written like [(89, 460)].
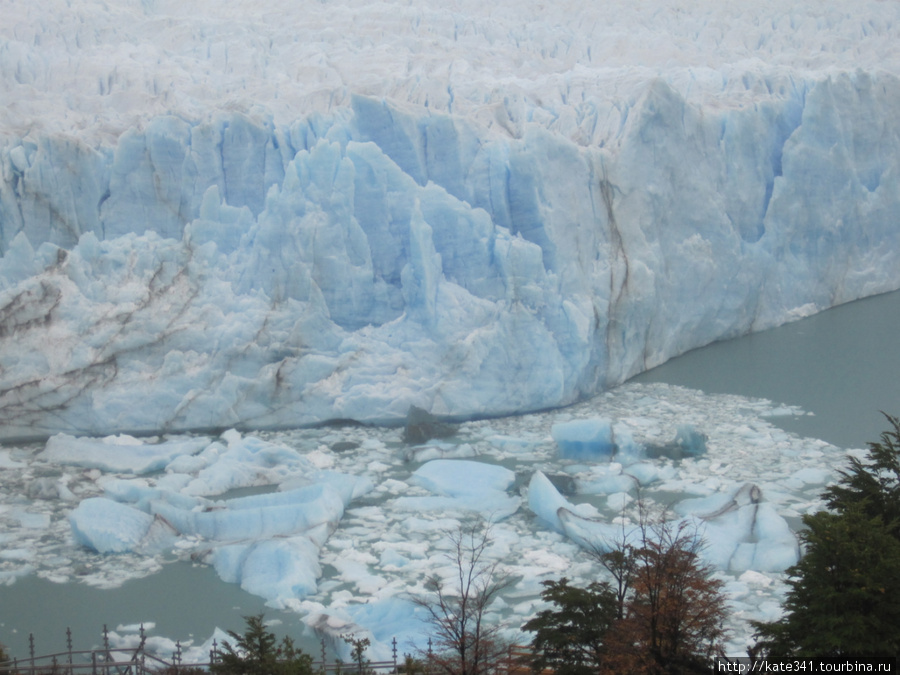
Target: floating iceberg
[(741, 533), (281, 570), (268, 543), (243, 461), (690, 441), (585, 439), (110, 527), (257, 517), (546, 502), (464, 485)]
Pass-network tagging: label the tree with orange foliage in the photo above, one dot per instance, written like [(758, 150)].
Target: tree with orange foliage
[(663, 616), (674, 615)]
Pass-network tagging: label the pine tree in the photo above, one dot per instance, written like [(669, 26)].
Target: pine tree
[(255, 653), (844, 595), (873, 484), (570, 639)]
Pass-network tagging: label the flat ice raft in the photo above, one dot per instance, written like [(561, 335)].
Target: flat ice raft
[(464, 485), (122, 453)]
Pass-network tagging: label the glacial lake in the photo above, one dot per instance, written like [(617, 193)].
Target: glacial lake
[(843, 366), (839, 367)]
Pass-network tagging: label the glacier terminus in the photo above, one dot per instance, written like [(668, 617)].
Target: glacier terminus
[(493, 217)]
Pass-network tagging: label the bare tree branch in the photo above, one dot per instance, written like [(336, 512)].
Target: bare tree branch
[(466, 644)]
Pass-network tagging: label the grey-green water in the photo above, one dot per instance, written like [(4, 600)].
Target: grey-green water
[(842, 365), (184, 601)]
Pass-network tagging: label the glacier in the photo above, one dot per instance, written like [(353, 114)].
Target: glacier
[(464, 211), (217, 217)]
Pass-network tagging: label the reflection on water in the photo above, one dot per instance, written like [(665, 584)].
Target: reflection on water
[(842, 365)]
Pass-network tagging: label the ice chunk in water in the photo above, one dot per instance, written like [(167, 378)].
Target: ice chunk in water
[(259, 516), (544, 499), (742, 532), (268, 543), (584, 439), (465, 485), (277, 569), (119, 454), (242, 462), (691, 441), (607, 479), (110, 527), (739, 532), (390, 618), (462, 477)]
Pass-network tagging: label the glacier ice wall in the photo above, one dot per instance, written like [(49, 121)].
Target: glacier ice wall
[(234, 271)]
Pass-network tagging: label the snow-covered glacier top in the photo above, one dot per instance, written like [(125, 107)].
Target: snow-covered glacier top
[(218, 214), (95, 69)]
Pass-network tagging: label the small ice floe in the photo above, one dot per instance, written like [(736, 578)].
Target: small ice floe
[(464, 485), (118, 454)]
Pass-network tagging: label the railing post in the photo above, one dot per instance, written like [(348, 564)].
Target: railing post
[(106, 650), (69, 648), (322, 643), (140, 648), (394, 651), (93, 662), (31, 649)]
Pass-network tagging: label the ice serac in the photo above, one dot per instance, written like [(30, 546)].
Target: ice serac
[(235, 271)]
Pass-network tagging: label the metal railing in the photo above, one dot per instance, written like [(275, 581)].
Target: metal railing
[(109, 660)]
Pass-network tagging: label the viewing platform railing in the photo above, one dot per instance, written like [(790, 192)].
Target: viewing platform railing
[(109, 660)]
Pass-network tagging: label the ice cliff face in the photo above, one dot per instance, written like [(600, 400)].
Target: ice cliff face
[(236, 269)]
